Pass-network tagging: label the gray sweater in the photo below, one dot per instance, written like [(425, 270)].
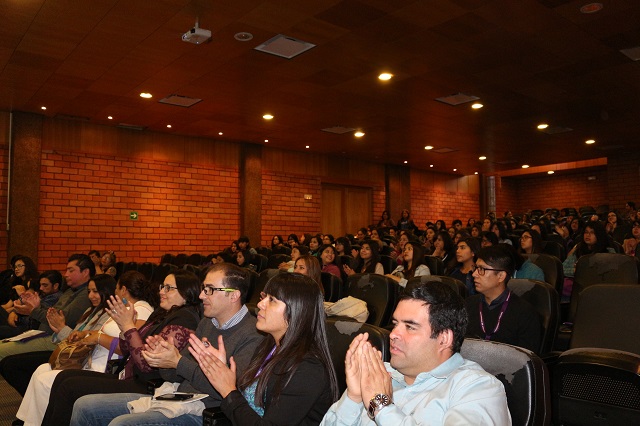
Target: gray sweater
[(240, 341), (72, 303)]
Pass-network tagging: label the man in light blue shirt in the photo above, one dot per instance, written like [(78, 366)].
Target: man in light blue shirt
[(427, 381)]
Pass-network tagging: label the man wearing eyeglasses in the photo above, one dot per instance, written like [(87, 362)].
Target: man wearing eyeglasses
[(495, 313), (223, 294)]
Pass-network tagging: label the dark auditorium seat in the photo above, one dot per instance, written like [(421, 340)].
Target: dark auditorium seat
[(388, 263), (263, 278), (281, 250), (180, 259), (523, 374), (194, 259), (378, 291), (332, 287), (276, 259), (435, 264), (260, 262), (552, 268), (161, 271), (456, 285), (147, 269), (131, 266), (553, 248)]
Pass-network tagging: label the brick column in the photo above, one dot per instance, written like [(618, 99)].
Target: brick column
[(24, 192)]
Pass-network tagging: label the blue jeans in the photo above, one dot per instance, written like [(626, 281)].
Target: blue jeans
[(111, 409)]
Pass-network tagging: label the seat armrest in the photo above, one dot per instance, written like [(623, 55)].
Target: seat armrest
[(215, 417)]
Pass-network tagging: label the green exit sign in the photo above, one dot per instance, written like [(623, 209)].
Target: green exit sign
[(133, 215)]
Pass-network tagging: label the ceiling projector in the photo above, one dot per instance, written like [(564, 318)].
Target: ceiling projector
[(196, 35)]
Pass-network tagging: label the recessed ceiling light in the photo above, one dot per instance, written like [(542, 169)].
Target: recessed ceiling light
[(146, 95), (405, 161), (550, 172), (385, 76), (168, 126), (110, 117), (525, 166), (43, 108), (358, 134), (428, 147), (482, 157), (307, 146), (455, 170), (220, 133), (477, 105), (591, 8), (267, 116), (590, 142), (243, 36), (266, 140), (430, 165), (475, 173), (542, 126)]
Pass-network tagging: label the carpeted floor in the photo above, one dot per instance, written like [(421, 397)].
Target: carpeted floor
[(9, 403)]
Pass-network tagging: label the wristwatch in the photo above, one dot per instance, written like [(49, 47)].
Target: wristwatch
[(378, 402)]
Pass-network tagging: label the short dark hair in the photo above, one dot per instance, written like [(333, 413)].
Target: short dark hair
[(491, 237), (139, 287), (83, 262), (498, 258), (456, 221), (234, 277), (446, 309)]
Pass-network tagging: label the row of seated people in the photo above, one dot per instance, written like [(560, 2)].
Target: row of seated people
[(67, 386), (273, 368)]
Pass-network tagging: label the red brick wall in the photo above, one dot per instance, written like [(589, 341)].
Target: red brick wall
[(507, 196), (563, 189), (624, 180), (284, 209), (86, 200), (4, 238), (439, 196)]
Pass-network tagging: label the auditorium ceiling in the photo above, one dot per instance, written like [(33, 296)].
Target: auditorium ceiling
[(527, 61)]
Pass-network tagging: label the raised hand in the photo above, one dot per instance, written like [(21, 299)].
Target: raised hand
[(374, 377), (56, 319), (163, 355), (118, 311), (352, 367)]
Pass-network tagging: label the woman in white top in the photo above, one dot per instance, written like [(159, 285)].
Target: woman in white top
[(412, 265), (96, 327), (367, 261)]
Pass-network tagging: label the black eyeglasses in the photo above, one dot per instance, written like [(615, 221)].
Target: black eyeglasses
[(167, 288), (208, 289), (481, 269)]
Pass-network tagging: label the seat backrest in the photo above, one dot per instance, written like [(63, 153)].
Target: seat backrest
[(596, 387), (130, 266), (523, 374), (147, 269), (265, 251), (457, 285), (260, 261), (340, 334), (348, 260), (195, 270), (607, 317), (388, 263), (554, 248), (435, 264), (378, 291), (332, 287), (276, 259), (180, 259), (194, 259), (167, 258), (160, 272), (545, 300), (552, 268), (281, 250), (263, 277), (602, 268)]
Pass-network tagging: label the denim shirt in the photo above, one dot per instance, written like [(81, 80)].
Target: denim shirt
[(457, 392)]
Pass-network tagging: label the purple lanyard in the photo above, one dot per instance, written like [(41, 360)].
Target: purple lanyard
[(265, 361), (495, 330)]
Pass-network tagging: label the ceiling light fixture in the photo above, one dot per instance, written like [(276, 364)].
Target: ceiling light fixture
[(168, 126), (482, 157), (43, 108), (542, 126), (428, 147), (430, 165), (475, 173), (590, 142), (550, 172), (266, 140), (358, 134), (110, 117), (477, 105), (146, 95), (307, 146), (243, 36), (455, 170), (405, 161), (385, 76), (220, 133), (267, 117), (525, 166), (591, 8)]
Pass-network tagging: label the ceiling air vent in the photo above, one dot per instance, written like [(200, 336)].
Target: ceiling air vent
[(632, 53), (338, 130), (178, 100), (552, 130), (444, 150), (285, 47), (457, 99)]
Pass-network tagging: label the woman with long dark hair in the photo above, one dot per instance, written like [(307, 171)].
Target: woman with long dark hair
[(530, 242), (594, 240), (25, 276), (367, 261), (330, 260), (412, 265), (174, 320), (291, 379)]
